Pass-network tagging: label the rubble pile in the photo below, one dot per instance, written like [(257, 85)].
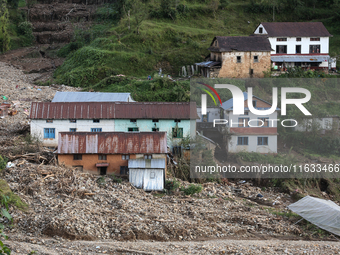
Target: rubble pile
[(75, 205)]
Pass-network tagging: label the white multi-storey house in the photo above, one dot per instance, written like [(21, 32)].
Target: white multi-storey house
[(250, 132), (304, 44)]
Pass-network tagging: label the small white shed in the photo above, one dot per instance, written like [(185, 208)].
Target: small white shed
[(147, 174)]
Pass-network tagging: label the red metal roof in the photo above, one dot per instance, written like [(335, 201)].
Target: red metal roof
[(296, 29), (110, 110), (112, 142)]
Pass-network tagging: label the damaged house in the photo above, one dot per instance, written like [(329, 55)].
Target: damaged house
[(109, 152), (237, 57), (178, 119)]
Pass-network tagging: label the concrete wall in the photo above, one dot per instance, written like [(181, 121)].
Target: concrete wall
[(305, 43), (89, 161), (37, 128), (252, 144), (231, 69), (110, 125)]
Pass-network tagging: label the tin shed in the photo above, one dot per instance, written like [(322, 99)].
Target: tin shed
[(147, 174)]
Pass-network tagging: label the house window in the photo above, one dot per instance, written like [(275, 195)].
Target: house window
[(101, 157), (262, 141), (73, 130), (314, 48), (254, 103), (49, 121), (155, 129), (256, 59), (125, 157), (242, 140), (124, 170), (133, 129), (49, 132), (177, 121), (281, 39), (147, 156), (298, 39), (243, 122), (155, 120), (281, 49), (96, 129), (298, 49), (77, 157), (133, 120), (73, 121), (315, 39), (96, 121), (238, 59), (260, 30), (265, 122), (177, 132)]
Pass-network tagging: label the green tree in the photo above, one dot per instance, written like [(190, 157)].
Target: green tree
[(139, 12), (4, 21)]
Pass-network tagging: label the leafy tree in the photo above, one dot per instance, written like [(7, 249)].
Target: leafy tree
[(4, 22), (139, 12)]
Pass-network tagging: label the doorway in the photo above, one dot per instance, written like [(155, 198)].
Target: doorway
[(102, 170)]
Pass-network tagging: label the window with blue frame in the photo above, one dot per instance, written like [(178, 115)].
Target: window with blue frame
[(49, 132), (73, 130), (242, 140), (262, 141), (243, 122), (96, 129)]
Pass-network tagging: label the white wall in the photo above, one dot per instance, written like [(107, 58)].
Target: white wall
[(252, 144), (305, 43), (37, 128), (251, 116), (317, 124)]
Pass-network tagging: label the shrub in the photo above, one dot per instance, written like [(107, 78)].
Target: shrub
[(192, 189), (3, 162), (171, 186), (115, 178), (26, 30)]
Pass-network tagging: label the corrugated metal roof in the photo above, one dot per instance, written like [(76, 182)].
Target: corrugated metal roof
[(297, 58), (91, 97), (111, 110), (112, 142), (295, 29), (147, 163), (208, 63), (240, 43), (228, 105)]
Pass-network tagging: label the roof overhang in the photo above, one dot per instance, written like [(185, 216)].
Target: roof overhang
[(208, 63), (296, 58)]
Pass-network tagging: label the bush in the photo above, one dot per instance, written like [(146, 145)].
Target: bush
[(115, 178), (171, 186), (3, 162), (26, 30), (192, 189)]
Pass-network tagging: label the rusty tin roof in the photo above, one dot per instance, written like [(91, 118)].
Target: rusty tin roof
[(113, 110), (112, 142)]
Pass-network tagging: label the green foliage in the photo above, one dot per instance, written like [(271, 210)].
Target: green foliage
[(171, 185), (265, 158), (3, 162), (101, 180), (115, 179), (4, 23), (11, 198), (26, 30), (192, 189)]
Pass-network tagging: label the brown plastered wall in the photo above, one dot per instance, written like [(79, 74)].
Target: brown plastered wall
[(89, 162), (231, 69)]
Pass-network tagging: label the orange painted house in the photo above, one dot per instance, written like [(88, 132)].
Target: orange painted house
[(109, 152)]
